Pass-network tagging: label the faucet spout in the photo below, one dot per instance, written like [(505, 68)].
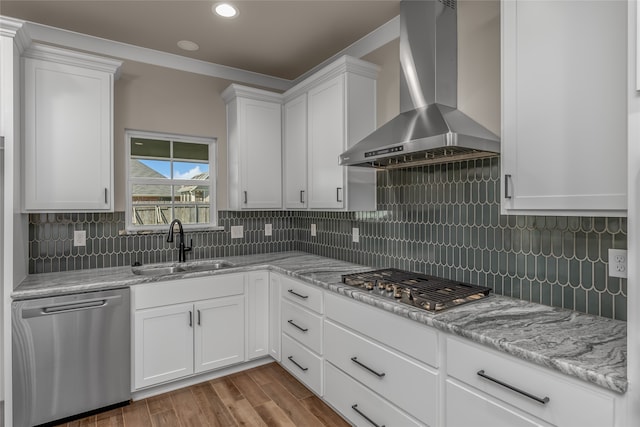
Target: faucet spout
[(182, 249)]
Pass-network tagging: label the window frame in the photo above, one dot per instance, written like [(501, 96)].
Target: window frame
[(130, 181)]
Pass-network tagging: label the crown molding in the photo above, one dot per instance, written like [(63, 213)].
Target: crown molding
[(24, 32), (14, 28), (71, 57), (235, 90), (84, 42)]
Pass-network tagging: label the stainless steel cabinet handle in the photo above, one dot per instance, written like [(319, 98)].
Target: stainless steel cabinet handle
[(291, 291), (190, 318), (338, 195), (105, 196), (507, 193), (355, 408), (297, 364), (357, 362), (299, 327), (199, 318), (301, 196), (543, 400), (245, 197), (74, 306)]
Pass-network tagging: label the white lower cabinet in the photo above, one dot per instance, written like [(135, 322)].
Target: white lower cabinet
[(518, 393), (408, 385), (302, 363), (466, 407), (361, 341), (275, 333), (359, 405), (188, 326), (163, 344), (218, 333), (257, 314)]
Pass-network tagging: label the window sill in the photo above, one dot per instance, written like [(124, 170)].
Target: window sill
[(166, 229)]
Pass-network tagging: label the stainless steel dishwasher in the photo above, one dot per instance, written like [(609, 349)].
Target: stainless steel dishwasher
[(71, 355)]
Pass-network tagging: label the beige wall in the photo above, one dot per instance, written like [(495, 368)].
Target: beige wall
[(152, 98)]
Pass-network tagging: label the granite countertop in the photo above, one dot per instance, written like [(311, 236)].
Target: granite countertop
[(588, 347)]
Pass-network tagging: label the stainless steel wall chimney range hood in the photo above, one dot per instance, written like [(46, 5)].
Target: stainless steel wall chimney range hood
[(430, 128)]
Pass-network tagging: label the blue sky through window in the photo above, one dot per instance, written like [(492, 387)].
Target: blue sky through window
[(182, 170)]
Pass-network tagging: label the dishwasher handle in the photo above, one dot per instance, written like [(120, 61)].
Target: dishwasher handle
[(66, 307)]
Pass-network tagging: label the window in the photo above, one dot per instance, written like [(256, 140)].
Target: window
[(170, 176)]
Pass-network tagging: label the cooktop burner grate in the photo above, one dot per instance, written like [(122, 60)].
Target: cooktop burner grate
[(419, 290)]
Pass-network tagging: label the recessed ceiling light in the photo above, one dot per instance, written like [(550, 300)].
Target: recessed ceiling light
[(188, 45), (226, 10)]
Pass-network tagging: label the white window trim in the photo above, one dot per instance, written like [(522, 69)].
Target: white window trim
[(213, 175)]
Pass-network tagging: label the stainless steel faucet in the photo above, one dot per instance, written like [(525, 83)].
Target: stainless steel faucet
[(182, 248)]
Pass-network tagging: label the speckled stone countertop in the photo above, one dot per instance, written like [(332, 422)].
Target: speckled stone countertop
[(588, 347)]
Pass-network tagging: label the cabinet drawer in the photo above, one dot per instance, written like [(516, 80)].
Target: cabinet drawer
[(303, 294), (570, 402), (359, 405), (387, 328), (480, 410), (407, 384), (302, 325), (187, 290), (302, 363)]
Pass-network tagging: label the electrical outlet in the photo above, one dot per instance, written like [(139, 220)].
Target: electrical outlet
[(268, 230), (355, 234), (313, 230), (618, 263), (79, 238), (237, 231)]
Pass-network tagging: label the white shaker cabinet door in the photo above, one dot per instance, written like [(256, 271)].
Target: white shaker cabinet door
[(326, 134), (257, 314), (564, 107), (163, 345), (68, 137), (219, 332), (295, 153)]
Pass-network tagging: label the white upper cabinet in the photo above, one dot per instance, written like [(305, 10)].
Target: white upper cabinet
[(295, 153), (254, 137), (340, 106), (564, 107), (68, 130)]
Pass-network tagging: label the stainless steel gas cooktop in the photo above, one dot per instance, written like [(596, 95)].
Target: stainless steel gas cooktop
[(415, 289)]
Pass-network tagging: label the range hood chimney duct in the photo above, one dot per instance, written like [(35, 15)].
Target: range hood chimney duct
[(430, 128)]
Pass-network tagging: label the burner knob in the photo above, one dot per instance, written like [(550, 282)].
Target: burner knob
[(381, 285), (368, 285)]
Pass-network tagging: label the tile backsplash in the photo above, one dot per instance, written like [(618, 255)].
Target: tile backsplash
[(442, 220)]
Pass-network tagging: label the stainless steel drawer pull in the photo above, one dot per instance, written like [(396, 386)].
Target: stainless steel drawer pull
[(291, 291), (299, 327), (543, 400), (355, 408), (297, 364), (357, 362)]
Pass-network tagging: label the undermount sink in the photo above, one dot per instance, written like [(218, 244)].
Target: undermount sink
[(161, 270)]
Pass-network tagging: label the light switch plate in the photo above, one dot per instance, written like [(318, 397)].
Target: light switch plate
[(80, 238), (313, 229), (355, 234), (268, 230), (618, 263), (237, 231)]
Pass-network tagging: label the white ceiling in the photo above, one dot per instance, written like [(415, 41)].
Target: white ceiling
[(277, 38)]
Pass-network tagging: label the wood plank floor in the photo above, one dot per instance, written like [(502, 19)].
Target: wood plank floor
[(264, 396)]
